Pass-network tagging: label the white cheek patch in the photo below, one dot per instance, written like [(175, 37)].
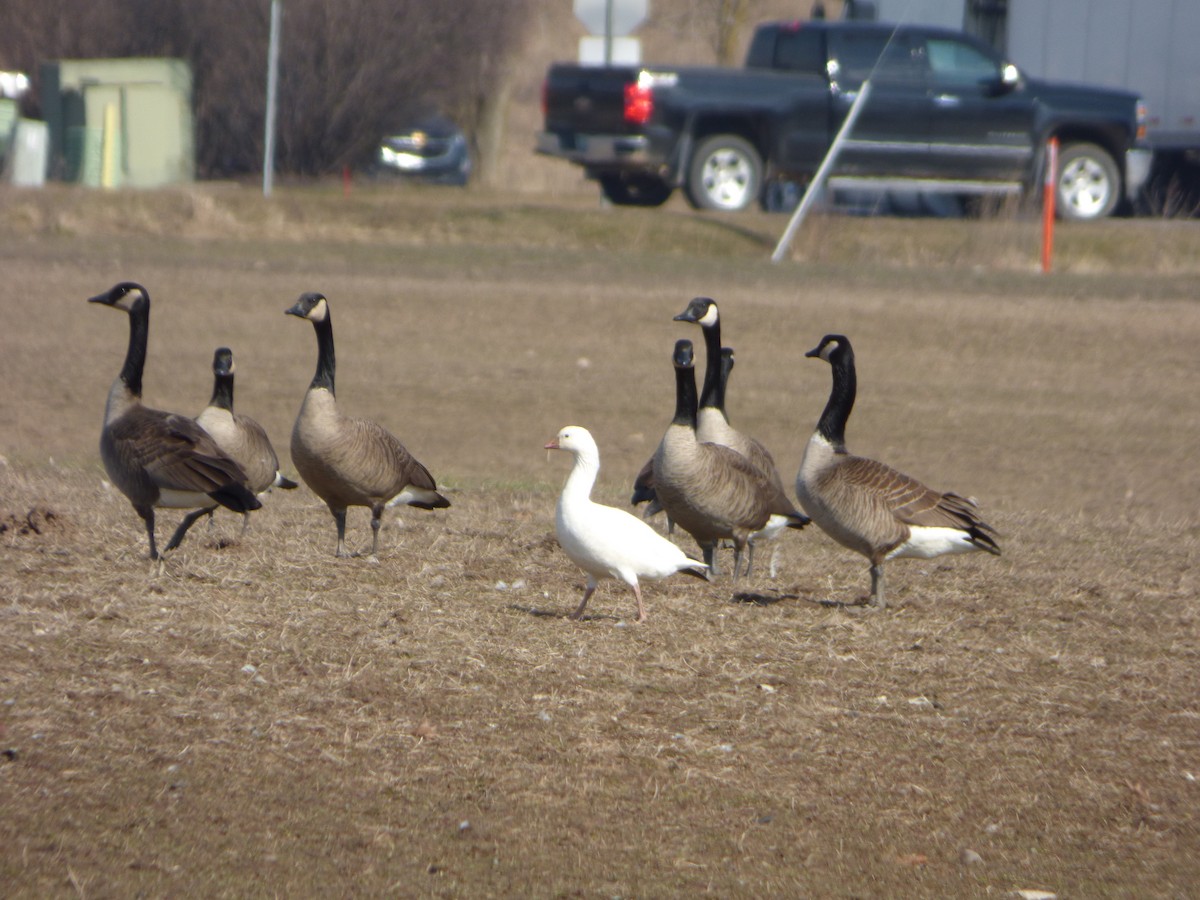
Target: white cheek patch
[(319, 312), (710, 317)]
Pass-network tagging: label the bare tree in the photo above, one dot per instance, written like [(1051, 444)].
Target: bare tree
[(349, 71)]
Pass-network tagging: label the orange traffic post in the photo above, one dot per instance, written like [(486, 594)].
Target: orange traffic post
[(1048, 200)]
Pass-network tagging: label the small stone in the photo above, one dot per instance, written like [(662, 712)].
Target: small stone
[(969, 857)]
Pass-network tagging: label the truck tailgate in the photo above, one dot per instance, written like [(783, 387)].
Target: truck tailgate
[(587, 99)]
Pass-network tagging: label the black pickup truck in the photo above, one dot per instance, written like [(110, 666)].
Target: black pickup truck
[(943, 113)]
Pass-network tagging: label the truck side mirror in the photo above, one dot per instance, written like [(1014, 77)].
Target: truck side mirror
[(1009, 81)]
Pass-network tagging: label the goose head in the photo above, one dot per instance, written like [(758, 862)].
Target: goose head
[(702, 311), (684, 357), (312, 306), (127, 295), (223, 362), (575, 439), (834, 348)]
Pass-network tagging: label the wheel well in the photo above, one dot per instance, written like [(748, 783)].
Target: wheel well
[(1110, 142), (744, 128)]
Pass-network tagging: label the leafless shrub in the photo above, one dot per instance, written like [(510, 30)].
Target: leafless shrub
[(348, 72)]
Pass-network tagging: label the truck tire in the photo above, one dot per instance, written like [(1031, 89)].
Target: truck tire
[(1089, 183), (634, 190), (725, 174)]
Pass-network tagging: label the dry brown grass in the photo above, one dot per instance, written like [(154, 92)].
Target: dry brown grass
[(261, 718)]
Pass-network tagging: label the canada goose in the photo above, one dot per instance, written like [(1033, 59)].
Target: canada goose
[(710, 491), (349, 461), (238, 435), (159, 459), (603, 541), (712, 421), (868, 506)]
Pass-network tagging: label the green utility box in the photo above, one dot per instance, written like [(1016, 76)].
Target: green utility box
[(120, 122)]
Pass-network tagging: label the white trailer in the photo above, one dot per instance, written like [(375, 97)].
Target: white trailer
[(1148, 46), (1151, 47)]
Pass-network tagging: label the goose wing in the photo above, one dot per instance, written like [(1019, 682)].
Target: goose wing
[(741, 491), (175, 452), (643, 484), (382, 466), (914, 503)]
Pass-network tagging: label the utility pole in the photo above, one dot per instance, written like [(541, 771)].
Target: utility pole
[(272, 89)]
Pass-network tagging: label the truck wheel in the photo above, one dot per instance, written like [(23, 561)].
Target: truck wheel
[(725, 174), (635, 190), (1089, 183)]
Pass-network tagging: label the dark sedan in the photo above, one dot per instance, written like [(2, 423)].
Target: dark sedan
[(433, 150)]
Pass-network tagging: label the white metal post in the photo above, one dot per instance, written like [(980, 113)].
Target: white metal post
[(272, 87), (822, 173)]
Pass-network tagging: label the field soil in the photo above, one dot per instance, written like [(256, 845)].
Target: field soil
[(259, 718)]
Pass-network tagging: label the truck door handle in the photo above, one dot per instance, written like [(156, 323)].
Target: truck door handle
[(947, 100)]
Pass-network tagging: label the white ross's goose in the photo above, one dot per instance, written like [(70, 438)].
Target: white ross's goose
[(604, 541)]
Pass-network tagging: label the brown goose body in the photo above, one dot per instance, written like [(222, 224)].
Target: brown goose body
[(348, 461), (247, 442), (870, 507), (159, 459), (710, 491)]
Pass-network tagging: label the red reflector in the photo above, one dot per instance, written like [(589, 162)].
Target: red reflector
[(639, 104)]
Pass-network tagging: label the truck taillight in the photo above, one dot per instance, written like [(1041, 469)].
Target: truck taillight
[(639, 103), (1141, 121)]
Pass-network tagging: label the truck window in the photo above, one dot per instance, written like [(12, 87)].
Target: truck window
[(954, 63), (800, 51), (856, 55)]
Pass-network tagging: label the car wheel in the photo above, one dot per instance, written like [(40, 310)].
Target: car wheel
[(1089, 183), (643, 190), (725, 174)]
